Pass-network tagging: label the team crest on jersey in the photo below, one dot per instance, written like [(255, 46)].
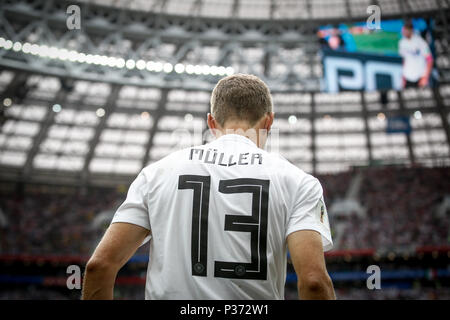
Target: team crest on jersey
[(321, 210)]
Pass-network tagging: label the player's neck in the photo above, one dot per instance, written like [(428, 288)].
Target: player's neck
[(242, 129)]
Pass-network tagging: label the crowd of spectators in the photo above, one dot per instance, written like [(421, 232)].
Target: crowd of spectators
[(393, 294), (53, 222), (335, 186), (137, 293), (400, 208)]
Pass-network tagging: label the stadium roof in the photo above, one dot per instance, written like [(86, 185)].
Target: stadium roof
[(272, 9), (145, 90)]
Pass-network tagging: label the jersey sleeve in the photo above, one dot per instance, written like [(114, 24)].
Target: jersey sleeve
[(424, 48), (134, 209), (310, 213)]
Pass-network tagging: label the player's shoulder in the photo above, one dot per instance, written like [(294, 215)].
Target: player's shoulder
[(289, 170), (275, 158), (402, 42), (168, 162), (299, 183), (418, 39)]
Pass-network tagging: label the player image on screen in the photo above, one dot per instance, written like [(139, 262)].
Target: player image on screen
[(417, 58), (394, 56), (220, 217)]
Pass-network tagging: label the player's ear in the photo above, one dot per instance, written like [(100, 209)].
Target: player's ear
[(269, 120), (214, 127), (211, 122)]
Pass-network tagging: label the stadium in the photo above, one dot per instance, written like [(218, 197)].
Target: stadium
[(94, 91)]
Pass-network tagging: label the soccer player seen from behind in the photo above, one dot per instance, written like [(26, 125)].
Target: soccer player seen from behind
[(221, 216)]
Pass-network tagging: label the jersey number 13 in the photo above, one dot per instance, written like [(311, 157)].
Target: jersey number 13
[(256, 224)]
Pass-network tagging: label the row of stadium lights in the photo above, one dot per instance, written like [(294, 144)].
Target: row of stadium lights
[(74, 56), (45, 51)]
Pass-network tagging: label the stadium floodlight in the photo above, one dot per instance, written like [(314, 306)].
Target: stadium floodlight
[(42, 51), (53, 52), (100, 112), (150, 66), (140, 64), (35, 49), (56, 108), (88, 58), (63, 54), (26, 48), (112, 62), (381, 116), (168, 67), (229, 71), (104, 60), (95, 59), (222, 71), (7, 102), (120, 63), (145, 115), (17, 46), (418, 115), (130, 64), (214, 70), (188, 117), (179, 68), (158, 67), (72, 55), (292, 119), (206, 70), (198, 69), (190, 69), (8, 45), (81, 57)]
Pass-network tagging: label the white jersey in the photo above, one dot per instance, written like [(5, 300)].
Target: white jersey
[(219, 215), (414, 52)]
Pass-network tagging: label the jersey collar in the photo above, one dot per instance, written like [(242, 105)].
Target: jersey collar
[(236, 138)]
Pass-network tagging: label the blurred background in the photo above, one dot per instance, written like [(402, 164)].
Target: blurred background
[(93, 91)]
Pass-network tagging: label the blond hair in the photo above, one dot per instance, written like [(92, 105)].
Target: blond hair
[(240, 97)]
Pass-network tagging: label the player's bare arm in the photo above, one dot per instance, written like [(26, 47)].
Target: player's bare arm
[(117, 246), (305, 248), (429, 68)]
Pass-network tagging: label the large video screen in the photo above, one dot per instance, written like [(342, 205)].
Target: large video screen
[(396, 55)]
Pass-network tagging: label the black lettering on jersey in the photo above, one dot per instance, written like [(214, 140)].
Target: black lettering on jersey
[(242, 157), (230, 161), (200, 207), (256, 156), (212, 156), (256, 224), (220, 160), (213, 159), (196, 151)]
